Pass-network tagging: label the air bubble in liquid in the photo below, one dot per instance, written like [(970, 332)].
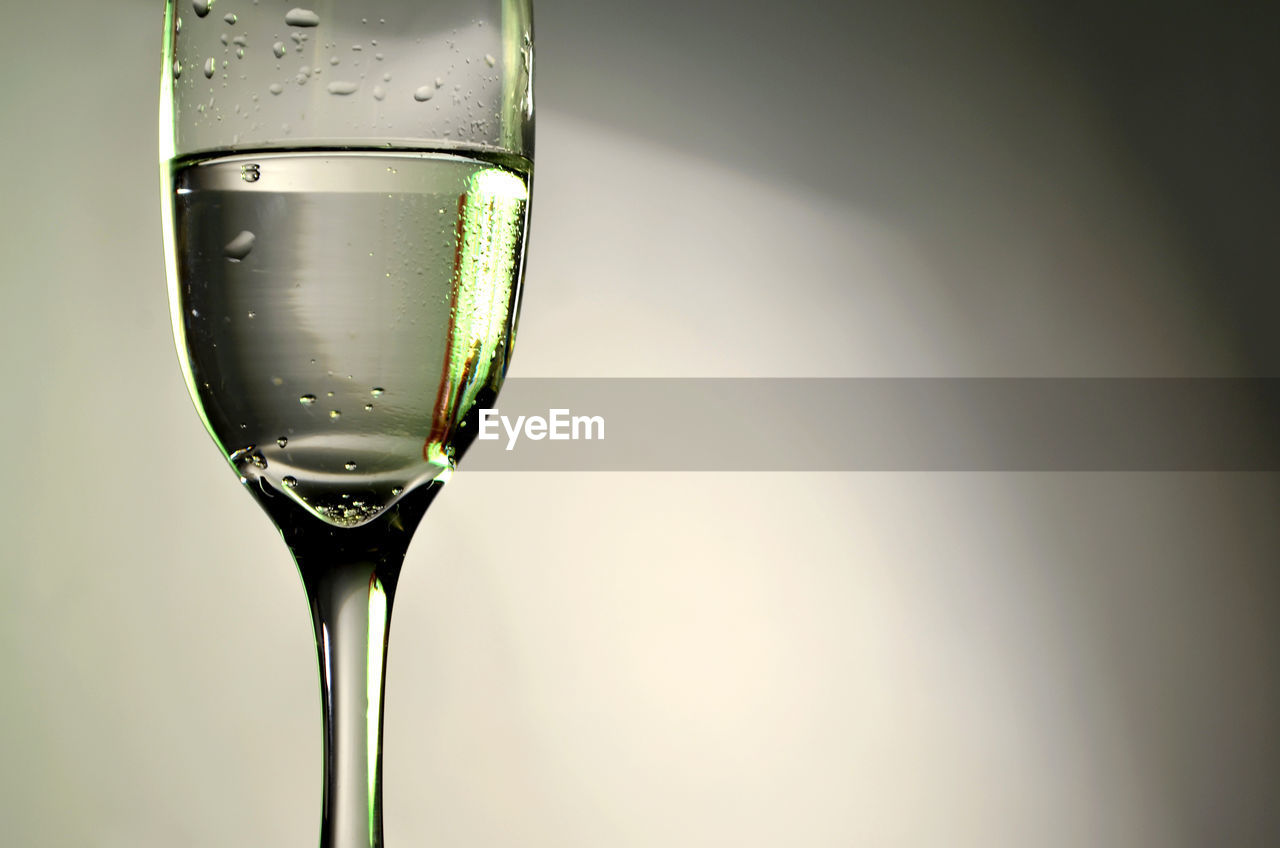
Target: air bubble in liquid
[(238, 248)]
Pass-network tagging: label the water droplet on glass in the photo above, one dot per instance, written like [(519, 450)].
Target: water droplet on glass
[(240, 40), (224, 38), (290, 482), (250, 173), (301, 18), (422, 95), (329, 394), (201, 7), (386, 77), (253, 314), (307, 400), (282, 441), (335, 413), (178, 25), (368, 407), (275, 88), (277, 381), (278, 48), (439, 82), (376, 390), (239, 52), (229, 18), (333, 60), (343, 87), (177, 69), (238, 248), (397, 490), (350, 466), (209, 67), (195, 313), (489, 60), (379, 92)]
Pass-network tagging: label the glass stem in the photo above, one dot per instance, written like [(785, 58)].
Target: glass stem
[(350, 576), (350, 609)]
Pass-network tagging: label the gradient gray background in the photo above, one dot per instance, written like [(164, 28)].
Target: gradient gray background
[(978, 189)]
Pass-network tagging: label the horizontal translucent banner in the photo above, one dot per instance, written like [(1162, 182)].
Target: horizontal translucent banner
[(880, 425)]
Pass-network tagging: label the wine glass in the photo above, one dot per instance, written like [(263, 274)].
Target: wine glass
[(346, 191)]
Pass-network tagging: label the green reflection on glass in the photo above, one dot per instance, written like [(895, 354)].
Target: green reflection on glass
[(377, 637), (490, 226)]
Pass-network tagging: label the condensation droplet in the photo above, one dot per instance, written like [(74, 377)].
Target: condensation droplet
[(489, 60), (335, 413), (422, 95), (239, 52), (386, 77), (201, 7), (368, 407), (252, 314), (290, 482), (350, 466), (275, 88), (240, 40), (343, 87), (301, 18), (278, 49), (238, 248), (277, 381), (283, 441), (177, 69), (229, 18), (178, 25), (307, 400), (333, 60), (379, 92), (397, 490), (439, 82), (376, 390), (250, 173), (209, 67)]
